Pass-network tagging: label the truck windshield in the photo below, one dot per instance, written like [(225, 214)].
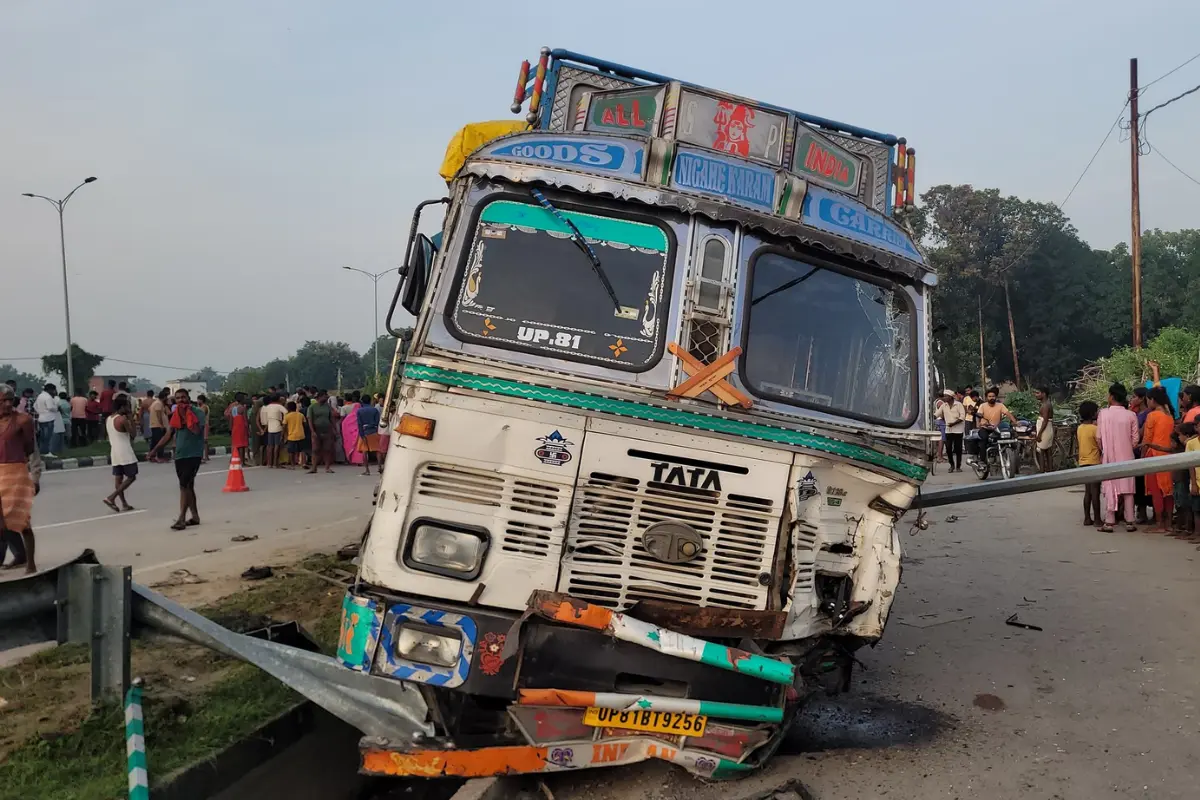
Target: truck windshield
[(526, 285), (821, 338)]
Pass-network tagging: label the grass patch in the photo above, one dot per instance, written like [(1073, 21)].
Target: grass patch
[(140, 446), (90, 762), (53, 743)]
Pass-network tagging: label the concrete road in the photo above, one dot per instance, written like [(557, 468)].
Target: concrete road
[(954, 703), (285, 509)]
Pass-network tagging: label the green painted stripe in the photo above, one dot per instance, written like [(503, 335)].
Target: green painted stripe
[(738, 711), (730, 769), (135, 727), (671, 416), (754, 665), (606, 229), (137, 760)]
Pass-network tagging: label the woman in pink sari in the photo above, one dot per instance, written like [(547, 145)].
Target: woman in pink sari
[(1118, 435), (349, 413)]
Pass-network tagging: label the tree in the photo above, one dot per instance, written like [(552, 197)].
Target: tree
[(245, 379), (275, 372), (83, 364), (209, 376), (1045, 296), (387, 349), (25, 380), (318, 364)]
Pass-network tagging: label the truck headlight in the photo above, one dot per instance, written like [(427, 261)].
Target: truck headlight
[(446, 549), (425, 644)]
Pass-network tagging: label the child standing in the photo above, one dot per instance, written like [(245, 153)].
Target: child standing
[(293, 425), (1193, 444), (1088, 435)]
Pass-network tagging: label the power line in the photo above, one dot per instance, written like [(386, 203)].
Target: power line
[(1172, 100), (1172, 72), (1078, 181), (1174, 166)]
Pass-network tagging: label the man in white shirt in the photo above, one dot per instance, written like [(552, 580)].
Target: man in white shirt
[(45, 409), (270, 421), (954, 415)]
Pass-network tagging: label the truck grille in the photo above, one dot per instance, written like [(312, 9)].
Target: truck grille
[(530, 513), (606, 563)]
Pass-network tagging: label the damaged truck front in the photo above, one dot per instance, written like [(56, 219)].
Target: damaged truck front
[(662, 408)]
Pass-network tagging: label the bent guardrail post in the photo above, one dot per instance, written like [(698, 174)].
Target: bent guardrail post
[(376, 706), (1054, 480), (94, 609)]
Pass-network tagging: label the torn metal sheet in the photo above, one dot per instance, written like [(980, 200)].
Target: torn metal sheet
[(376, 706), (572, 611), (711, 620)]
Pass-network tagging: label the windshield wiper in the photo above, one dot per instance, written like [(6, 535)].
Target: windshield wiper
[(582, 244), (786, 286)]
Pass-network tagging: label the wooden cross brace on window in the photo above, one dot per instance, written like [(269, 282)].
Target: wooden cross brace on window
[(709, 377)]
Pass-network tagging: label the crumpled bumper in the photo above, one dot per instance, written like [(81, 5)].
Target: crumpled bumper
[(537, 675)]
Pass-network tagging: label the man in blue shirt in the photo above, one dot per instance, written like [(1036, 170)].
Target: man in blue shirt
[(186, 428)]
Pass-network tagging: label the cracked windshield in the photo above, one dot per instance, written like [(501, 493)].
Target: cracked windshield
[(824, 339)]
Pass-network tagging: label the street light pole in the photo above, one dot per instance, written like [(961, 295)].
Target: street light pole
[(60, 206), (375, 276)]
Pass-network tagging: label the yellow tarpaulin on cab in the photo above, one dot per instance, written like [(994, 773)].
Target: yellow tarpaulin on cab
[(472, 137)]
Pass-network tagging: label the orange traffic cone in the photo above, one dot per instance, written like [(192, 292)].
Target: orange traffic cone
[(235, 481)]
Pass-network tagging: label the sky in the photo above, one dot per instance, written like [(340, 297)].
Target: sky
[(245, 151)]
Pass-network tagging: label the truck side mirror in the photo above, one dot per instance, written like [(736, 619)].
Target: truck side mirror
[(416, 275)]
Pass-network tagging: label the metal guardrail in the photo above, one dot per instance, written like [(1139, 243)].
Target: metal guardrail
[(99, 605), (1054, 480)]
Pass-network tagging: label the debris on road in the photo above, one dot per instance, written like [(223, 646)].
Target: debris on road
[(792, 790), (243, 538), (930, 620), (1016, 623), (1104, 552), (348, 552), (179, 577), (952, 518), (212, 550), (257, 573), (989, 702)]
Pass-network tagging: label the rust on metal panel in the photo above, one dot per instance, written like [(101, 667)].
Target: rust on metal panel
[(482, 763), (711, 621), (570, 610)]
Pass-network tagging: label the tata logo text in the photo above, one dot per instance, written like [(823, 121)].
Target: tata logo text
[(692, 477), (594, 155)]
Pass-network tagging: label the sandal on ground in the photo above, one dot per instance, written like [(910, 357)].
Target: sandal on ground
[(191, 523), (1131, 529), (128, 508), (1105, 529), (110, 504), (179, 526)]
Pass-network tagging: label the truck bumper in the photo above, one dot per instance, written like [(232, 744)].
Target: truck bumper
[(516, 700)]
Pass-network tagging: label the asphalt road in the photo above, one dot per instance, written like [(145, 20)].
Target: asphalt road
[(284, 509), (954, 703)]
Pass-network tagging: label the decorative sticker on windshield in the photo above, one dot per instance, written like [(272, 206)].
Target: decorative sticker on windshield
[(530, 282)]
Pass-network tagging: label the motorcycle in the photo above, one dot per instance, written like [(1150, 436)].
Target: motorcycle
[(1001, 449)]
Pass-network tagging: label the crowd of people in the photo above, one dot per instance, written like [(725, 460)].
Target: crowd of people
[(309, 428), (1143, 424)]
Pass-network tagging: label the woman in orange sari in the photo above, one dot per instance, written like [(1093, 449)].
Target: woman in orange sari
[(1156, 441)]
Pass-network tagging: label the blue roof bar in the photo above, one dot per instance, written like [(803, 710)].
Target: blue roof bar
[(633, 72)]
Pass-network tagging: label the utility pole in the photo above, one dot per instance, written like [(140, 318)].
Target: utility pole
[(982, 366), (1135, 246), (1012, 336)]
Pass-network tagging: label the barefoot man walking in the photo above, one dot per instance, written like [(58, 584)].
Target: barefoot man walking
[(121, 430)]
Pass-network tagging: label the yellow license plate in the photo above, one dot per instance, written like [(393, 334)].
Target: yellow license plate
[(673, 722)]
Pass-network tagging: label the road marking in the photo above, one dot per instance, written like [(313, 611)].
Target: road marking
[(242, 545), (92, 519)]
